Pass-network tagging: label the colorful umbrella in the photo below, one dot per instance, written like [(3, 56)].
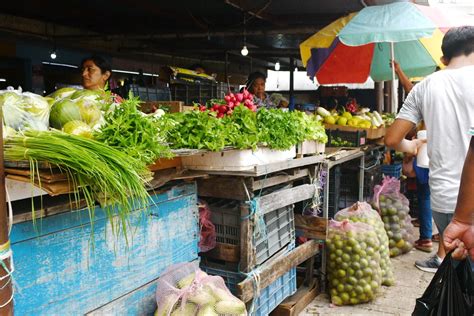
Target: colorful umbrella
[(360, 45)]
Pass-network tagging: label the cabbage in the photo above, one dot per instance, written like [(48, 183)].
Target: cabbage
[(90, 94), (78, 128), (62, 93), (24, 111), (90, 110), (64, 111)]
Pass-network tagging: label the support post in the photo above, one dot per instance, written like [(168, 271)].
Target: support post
[(5, 284), (292, 80)]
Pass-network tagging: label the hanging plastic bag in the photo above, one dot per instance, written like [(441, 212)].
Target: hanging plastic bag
[(363, 212), (394, 207), (185, 290), (207, 240), (354, 262), (450, 293)]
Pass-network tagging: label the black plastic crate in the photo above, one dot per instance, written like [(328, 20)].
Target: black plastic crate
[(339, 138)]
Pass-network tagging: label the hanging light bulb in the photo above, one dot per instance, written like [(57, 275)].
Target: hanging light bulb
[(296, 69), (244, 51), (277, 65), (53, 55)]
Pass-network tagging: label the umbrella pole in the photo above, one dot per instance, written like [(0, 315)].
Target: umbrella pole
[(394, 94)]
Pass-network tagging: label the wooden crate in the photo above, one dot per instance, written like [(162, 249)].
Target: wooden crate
[(60, 273), (311, 226), (264, 204), (371, 132), (243, 188), (174, 106)]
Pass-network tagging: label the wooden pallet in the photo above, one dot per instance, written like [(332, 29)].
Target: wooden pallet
[(276, 267), (245, 252)]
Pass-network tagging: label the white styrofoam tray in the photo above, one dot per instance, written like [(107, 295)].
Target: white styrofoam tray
[(237, 160), (311, 147)]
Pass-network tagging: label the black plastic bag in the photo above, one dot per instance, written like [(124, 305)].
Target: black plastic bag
[(450, 293)]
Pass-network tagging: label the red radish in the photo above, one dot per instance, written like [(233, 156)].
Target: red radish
[(239, 97), (230, 112), (227, 98), (220, 115), (222, 109), (231, 104)]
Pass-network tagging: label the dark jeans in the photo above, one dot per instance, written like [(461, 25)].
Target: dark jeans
[(424, 206)]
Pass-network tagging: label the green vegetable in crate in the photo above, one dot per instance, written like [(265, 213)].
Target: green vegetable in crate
[(207, 310), (185, 290), (394, 208), (62, 93), (128, 129), (78, 128), (234, 307), (64, 111), (186, 281), (189, 309), (363, 212), (357, 246)]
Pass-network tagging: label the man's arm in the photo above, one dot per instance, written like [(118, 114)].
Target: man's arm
[(465, 207), (461, 227), (404, 80), (395, 137)]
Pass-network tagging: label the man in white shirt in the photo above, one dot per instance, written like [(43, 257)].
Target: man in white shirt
[(445, 102)]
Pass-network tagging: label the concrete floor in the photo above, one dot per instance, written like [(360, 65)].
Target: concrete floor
[(396, 300)]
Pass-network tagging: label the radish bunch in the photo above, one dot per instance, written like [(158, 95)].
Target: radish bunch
[(231, 101), (352, 106)]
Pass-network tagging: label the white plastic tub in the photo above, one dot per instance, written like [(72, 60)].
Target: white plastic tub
[(310, 147), (236, 160)]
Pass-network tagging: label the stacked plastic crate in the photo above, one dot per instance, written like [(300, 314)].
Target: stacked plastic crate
[(272, 235)]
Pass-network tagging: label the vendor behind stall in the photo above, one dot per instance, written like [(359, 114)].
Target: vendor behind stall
[(256, 85), (96, 72)]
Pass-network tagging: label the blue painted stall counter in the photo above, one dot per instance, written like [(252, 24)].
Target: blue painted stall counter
[(58, 273)]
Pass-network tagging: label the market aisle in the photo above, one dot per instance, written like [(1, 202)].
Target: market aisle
[(396, 300)]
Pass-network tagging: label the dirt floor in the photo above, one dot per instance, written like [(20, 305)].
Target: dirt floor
[(396, 300)]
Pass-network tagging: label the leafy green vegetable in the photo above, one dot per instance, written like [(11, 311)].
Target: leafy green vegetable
[(95, 169), (194, 129), (129, 129), (278, 129), (241, 128)]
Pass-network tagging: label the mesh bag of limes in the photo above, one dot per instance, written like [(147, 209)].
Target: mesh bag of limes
[(354, 271), (363, 212), (394, 207)]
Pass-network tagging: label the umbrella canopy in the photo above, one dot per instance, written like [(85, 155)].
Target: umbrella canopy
[(357, 46)]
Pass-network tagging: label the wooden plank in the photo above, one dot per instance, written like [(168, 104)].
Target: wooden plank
[(53, 189), (227, 252), (296, 303), (59, 273), (279, 199), (273, 167), (164, 163), (225, 188), (46, 176), (276, 267), (311, 227), (371, 133), (248, 253), (141, 301), (279, 179)]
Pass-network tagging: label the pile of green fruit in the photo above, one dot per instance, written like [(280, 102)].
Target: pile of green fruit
[(354, 269), (363, 212), (196, 294), (394, 210)]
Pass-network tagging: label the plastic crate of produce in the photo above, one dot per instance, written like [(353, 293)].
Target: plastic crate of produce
[(279, 227), (394, 170), (270, 297), (338, 138)]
